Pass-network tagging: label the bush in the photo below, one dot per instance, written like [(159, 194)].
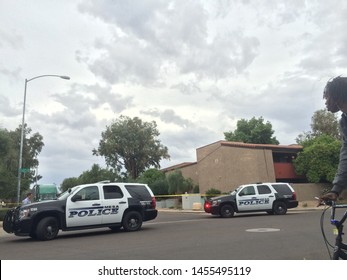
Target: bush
[(212, 192), (3, 212), (196, 189)]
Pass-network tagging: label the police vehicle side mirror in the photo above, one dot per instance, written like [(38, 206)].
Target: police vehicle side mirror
[(76, 197)]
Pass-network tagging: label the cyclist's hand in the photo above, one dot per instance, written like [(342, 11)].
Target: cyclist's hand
[(330, 196)]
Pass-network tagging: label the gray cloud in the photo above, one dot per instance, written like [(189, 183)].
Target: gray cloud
[(194, 67), (7, 109), (177, 33), (167, 116), (82, 98), (10, 38)]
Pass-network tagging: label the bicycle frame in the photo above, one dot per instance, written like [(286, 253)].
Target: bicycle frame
[(339, 248)]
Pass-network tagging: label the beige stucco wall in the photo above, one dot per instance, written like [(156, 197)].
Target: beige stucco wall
[(191, 172), (203, 152), (308, 191), (225, 168)]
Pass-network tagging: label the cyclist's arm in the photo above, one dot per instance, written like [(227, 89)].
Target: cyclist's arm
[(340, 181)]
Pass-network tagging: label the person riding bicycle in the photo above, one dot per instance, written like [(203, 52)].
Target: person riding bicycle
[(335, 94)]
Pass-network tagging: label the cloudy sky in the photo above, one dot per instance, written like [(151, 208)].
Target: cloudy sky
[(193, 67)]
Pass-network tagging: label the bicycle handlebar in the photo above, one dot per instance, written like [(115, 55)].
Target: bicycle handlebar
[(339, 248)]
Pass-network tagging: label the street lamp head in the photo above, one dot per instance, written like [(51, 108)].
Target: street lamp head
[(65, 77)]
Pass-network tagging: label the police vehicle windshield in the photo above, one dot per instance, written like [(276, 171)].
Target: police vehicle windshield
[(235, 191), (67, 193)]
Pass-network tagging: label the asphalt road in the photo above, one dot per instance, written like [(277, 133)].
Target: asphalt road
[(185, 236)]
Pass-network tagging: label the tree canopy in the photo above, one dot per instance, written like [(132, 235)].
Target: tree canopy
[(322, 122), (9, 153), (320, 156), (252, 131), (319, 159), (95, 174), (131, 144), (178, 184), (156, 180)]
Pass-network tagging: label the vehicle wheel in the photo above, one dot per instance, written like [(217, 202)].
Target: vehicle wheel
[(132, 221), (270, 212), (280, 208), (227, 211), (47, 229), (115, 228)]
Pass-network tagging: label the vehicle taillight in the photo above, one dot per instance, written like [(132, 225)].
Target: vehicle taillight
[(294, 195), (154, 202), (207, 206)]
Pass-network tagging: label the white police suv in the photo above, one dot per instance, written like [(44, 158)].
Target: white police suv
[(102, 204), (273, 198)]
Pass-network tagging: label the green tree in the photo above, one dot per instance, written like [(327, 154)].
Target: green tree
[(252, 131), (95, 174), (322, 122), (131, 144), (9, 152), (98, 174), (160, 187), (319, 159), (325, 122), (150, 176), (156, 180), (69, 183), (178, 184)]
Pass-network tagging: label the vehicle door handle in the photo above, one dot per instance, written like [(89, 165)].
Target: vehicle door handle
[(122, 202), (254, 197), (271, 196), (96, 204)]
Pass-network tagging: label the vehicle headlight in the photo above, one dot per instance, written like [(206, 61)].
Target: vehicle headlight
[(23, 213)]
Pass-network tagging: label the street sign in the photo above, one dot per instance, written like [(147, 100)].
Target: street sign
[(24, 170)]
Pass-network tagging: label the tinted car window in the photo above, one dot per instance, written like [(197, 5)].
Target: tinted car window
[(263, 189), (112, 192), (139, 192), (282, 189)]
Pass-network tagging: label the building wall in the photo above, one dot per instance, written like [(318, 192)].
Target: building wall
[(284, 170), (188, 171), (203, 152), (191, 172), (308, 191), (225, 165), (225, 168)]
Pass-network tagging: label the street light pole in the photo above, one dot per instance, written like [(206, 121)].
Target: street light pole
[(22, 129)]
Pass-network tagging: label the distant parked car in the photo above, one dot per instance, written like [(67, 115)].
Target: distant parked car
[(273, 198)]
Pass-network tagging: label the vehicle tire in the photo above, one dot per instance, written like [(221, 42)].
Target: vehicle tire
[(270, 212), (280, 208), (47, 229), (132, 221), (227, 211)]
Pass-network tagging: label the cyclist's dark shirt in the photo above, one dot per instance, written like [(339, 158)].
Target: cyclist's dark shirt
[(340, 181)]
